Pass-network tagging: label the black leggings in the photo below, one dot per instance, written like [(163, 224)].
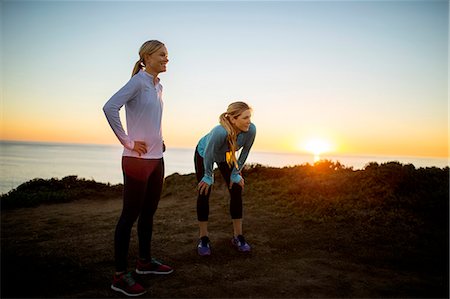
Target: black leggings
[(143, 181), (203, 200)]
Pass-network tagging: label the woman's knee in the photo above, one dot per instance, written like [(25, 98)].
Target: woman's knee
[(235, 190)]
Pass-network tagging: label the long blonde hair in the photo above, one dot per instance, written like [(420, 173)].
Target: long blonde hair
[(149, 47), (234, 110)]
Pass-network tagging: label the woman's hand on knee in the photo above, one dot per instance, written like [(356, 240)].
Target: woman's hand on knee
[(203, 188), (241, 183)]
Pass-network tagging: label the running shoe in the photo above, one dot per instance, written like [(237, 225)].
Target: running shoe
[(126, 284), (204, 247), (152, 267), (240, 244)]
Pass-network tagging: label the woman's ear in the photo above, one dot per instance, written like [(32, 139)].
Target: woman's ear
[(146, 58)]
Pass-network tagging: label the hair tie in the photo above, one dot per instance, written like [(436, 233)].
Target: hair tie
[(141, 62)]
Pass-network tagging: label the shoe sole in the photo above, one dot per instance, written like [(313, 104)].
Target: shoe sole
[(242, 251), (206, 254), (128, 294), (153, 272)]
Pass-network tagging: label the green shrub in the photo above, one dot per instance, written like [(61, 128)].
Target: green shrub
[(69, 188)]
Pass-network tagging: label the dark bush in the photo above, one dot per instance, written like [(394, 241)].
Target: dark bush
[(69, 188)]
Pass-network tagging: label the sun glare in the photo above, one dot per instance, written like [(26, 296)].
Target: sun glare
[(317, 147)]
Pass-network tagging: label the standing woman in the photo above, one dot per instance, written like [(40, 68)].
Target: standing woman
[(142, 163), (220, 145)]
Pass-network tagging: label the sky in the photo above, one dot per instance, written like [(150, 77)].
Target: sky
[(361, 77)]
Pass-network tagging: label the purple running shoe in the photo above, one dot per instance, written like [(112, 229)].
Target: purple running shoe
[(203, 247), (240, 244)]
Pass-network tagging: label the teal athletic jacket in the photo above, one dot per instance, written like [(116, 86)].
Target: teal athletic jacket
[(214, 146)]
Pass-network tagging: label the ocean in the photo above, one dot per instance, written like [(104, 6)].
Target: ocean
[(23, 161)]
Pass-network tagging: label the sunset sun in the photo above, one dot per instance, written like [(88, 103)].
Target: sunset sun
[(317, 146)]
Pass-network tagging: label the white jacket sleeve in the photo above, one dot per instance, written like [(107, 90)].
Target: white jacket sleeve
[(115, 103)]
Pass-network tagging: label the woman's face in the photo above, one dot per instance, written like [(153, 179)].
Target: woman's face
[(242, 122), (156, 62)]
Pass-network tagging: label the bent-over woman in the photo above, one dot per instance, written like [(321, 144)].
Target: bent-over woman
[(219, 146)]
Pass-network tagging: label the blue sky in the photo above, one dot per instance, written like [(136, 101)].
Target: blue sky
[(370, 77)]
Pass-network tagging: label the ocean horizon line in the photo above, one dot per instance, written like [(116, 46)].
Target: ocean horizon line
[(261, 151)]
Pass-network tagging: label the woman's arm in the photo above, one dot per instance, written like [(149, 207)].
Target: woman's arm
[(250, 138), (114, 104), (217, 137)]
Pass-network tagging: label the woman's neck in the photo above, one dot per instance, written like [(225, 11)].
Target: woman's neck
[(153, 74)]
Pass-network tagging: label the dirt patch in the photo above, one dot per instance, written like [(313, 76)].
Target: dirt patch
[(66, 250)]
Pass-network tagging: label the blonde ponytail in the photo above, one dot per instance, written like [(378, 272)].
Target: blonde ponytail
[(231, 139), (137, 67), (234, 110)]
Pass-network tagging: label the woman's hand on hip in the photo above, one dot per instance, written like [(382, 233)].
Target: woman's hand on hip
[(203, 188), (140, 147)]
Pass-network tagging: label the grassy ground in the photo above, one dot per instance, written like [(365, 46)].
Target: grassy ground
[(317, 232)]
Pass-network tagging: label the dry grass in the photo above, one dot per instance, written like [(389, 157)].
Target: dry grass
[(66, 250)]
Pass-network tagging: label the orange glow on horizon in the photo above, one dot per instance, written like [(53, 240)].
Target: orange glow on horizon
[(432, 145)]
